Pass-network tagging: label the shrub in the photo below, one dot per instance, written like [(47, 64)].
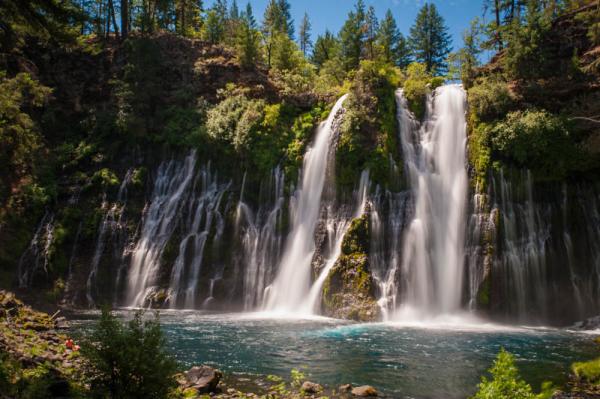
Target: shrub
[(368, 137), (490, 99), (129, 359), (418, 83), (535, 139), (506, 383)]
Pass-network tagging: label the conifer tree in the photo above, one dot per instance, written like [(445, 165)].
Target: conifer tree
[(371, 27), (392, 44), (430, 40), (304, 33), (352, 36), (326, 47), (247, 39)]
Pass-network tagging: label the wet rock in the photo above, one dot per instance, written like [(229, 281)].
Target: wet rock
[(345, 388), (364, 391), (61, 323), (593, 323), (310, 388), (203, 379), (348, 291)]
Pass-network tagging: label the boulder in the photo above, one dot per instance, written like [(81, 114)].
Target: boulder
[(203, 379), (311, 387), (364, 391), (349, 290), (345, 388)]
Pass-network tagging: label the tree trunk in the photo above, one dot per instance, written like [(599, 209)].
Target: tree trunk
[(112, 16), (497, 10), (124, 18)]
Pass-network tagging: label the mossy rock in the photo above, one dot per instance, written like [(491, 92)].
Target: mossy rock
[(356, 239), (348, 291)]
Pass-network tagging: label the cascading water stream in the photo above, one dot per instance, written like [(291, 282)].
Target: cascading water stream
[(111, 224), (170, 190), (336, 230), (433, 247), (261, 240), (203, 210), (288, 292)]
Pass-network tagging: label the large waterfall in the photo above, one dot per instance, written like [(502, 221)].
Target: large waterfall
[(512, 249), (433, 248), (292, 284)]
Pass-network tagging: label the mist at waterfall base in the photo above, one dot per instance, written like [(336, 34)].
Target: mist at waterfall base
[(401, 362)]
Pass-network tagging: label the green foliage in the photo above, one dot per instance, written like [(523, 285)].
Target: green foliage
[(430, 40), (490, 99), (326, 48), (368, 137), (393, 46), (297, 378), (248, 40), (535, 139), (105, 178), (19, 135), (130, 359), (352, 36), (418, 83), (505, 382), (262, 135), (462, 64), (526, 55), (588, 371), (356, 239)]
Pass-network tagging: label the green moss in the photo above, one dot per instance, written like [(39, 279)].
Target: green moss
[(483, 294), (368, 136), (588, 371)]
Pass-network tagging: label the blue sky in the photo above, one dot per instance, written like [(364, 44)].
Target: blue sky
[(330, 14)]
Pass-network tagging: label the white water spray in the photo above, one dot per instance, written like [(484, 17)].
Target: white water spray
[(292, 284), (433, 249)]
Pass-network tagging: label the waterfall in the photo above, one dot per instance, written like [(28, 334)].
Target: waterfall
[(432, 265), (390, 212), (336, 230), (171, 188), (261, 240), (37, 255), (111, 225), (203, 209), (292, 284)]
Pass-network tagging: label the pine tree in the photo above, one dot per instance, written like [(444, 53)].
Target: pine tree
[(326, 47), (392, 43), (234, 12), (287, 21), (304, 33), (276, 20), (430, 40), (371, 28), (247, 39), (352, 37)]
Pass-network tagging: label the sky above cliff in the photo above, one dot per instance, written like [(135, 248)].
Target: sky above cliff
[(331, 14)]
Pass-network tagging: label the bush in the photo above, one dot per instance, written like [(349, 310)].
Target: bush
[(536, 140), (129, 359), (368, 138), (490, 99), (417, 85), (506, 383)]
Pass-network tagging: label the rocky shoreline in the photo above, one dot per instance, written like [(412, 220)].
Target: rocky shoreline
[(35, 342)]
